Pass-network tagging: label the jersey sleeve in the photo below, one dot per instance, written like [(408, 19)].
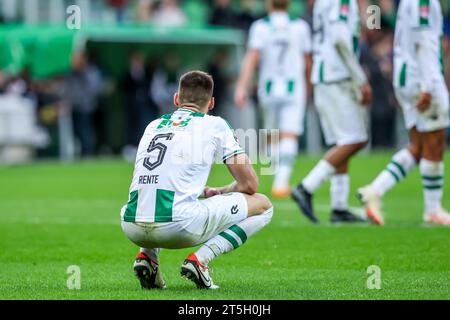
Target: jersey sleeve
[(256, 36), (306, 38), (423, 34), (228, 144)]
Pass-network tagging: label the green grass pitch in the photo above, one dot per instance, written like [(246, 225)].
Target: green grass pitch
[(53, 216)]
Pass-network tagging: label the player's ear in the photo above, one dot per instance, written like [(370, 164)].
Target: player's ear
[(176, 99), (212, 104)]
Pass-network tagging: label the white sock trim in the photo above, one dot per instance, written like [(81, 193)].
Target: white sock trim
[(433, 182), (340, 190)]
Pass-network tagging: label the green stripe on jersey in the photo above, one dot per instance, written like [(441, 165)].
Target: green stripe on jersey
[(268, 86), (130, 212), (239, 232), (403, 75), (166, 116), (355, 44), (321, 72), (291, 86), (164, 205), (229, 124)]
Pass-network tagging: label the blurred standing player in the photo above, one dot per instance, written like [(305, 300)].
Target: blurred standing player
[(281, 48), (341, 90), (420, 88), (173, 163)]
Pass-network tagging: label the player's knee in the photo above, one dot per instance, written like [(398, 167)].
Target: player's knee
[(361, 145), (265, 209), (416, 151), (433, 153), (264, 204), (354, 148)]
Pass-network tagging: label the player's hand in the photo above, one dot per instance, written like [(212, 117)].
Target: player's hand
[(424, 101), (366, 94), (211, 192), (240, 97)]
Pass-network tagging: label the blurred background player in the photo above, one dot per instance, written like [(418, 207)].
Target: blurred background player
[(281, 48), (421, 90), (164, 210), (341, 91)]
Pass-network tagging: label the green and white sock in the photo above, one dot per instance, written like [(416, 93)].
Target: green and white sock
[(233, 237), (401, 164), (433, 181)]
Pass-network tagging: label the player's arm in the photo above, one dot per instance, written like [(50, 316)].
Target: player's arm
[(340, 37), (422, 36), (425, 97), (246, 180), (308, 71), (249, 66), (239, 164), (256, 40), (307, 56)]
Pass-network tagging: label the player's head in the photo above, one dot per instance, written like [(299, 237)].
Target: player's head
[(195, 90), (278, 5)]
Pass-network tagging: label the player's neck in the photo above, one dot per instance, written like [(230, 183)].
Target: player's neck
[(277, 11), (193, 108)]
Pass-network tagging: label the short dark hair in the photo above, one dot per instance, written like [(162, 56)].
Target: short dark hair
[(280, 4), (196, 87)]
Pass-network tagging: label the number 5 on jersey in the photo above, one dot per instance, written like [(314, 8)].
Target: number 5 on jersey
[(157, 146)]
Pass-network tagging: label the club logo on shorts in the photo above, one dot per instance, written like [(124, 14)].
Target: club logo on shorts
[(234, 209)]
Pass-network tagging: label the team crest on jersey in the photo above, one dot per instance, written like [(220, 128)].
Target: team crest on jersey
[(424, 12), (345, 10), (169, 123)]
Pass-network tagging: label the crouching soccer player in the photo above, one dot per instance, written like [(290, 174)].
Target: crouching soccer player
[(172, 167), (421, 90)]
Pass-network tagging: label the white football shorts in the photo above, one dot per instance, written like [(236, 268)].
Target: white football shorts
[(285, 113), (214, 216), (435, 118), (343, 118)]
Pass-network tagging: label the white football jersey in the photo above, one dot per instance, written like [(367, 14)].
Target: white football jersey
[(328, 66), (283, 44), (418, 22), (173, 163)]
